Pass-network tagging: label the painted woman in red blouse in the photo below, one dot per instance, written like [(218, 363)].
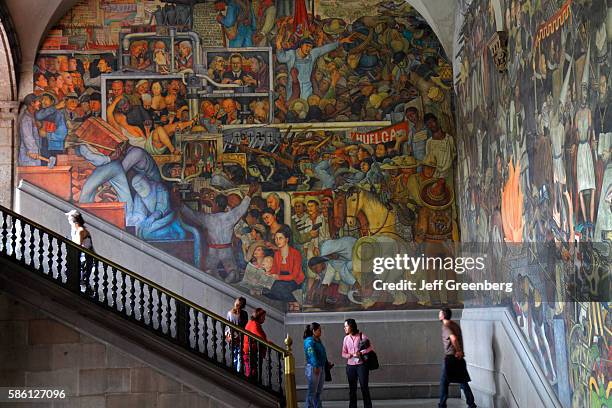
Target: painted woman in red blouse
[(287, 268)]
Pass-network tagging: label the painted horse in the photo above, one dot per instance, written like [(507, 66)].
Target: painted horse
[(377, 225)]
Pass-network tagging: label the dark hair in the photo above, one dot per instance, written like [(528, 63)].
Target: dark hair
[(363, 149), (286, 231), (352, 325), (242, 301), (447, 313), (368, 160), (310, 329), (268, 210), (312, 201), (221, 201), (255, 213), (306, 41), (428, 116), (412, 109), (258, 314), (78, 219)]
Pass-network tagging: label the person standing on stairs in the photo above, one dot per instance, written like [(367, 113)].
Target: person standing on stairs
[(454, 369), (355, 367), (239, 317), (80, 236), (316, 359)]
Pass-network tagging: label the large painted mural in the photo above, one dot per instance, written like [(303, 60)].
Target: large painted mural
[(535, 176), (261, 141)]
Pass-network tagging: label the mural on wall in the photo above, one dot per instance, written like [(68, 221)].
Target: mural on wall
[(323, 119), (534, 153)]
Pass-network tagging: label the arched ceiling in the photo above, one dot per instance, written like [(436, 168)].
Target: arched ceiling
[(33, 18)]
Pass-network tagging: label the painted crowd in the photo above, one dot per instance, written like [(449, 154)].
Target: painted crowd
[(266, 160), (536, 168)]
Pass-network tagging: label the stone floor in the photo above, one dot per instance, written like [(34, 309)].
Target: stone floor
[(415, 403)]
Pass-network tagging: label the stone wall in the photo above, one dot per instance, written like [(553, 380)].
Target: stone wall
[(37, 351)]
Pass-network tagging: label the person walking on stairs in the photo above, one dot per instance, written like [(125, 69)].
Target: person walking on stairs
[(454, 369)]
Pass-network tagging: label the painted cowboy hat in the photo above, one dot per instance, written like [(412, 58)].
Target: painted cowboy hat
[(312, 198), (334, 26), (51, 96), (436, 195), (376, 99), (299, 105), (435, 94), (316, 260), (429, 161), (400, 162), (368, 148), (30, 99), (297, 199), (141, 82), (253, 247)]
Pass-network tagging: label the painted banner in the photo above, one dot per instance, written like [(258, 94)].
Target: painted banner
[(552, 25), (383, 135)]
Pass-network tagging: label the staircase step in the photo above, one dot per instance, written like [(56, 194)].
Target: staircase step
[(416, 403)]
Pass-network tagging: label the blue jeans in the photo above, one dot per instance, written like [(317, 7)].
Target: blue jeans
[(469, 397), (315, 387)]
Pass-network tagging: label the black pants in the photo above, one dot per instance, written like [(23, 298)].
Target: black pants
[(358, 372), (445, 381)]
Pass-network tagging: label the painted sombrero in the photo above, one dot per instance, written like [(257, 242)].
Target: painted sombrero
[(436, 195)]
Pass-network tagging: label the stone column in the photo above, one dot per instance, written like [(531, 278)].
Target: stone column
[(8, 150)]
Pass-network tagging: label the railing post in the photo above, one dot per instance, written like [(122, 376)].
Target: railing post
[(73, 268), (290, 390)]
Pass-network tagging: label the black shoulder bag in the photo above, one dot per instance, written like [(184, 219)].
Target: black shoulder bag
[(370, 359)]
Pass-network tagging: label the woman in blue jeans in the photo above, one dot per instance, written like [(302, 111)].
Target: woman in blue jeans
[(316, 358)]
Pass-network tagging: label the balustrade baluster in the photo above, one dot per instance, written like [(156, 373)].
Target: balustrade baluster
[(168, 315), (95, 271), (132, 297), (141, 301), (4, 233), (224, 343), (123, 293), (114, 287), (159, 311), (13, 237), (41, 251), (280, 372), (22, 242), (260, 359), (196, 329), (59, 258), (205, 334), (31, 238), (214, 338), (50, 240), (270, 368), (105, 283), (150, 306)]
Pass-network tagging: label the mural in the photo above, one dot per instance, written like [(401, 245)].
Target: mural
[(535, 176), (261, 141)]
